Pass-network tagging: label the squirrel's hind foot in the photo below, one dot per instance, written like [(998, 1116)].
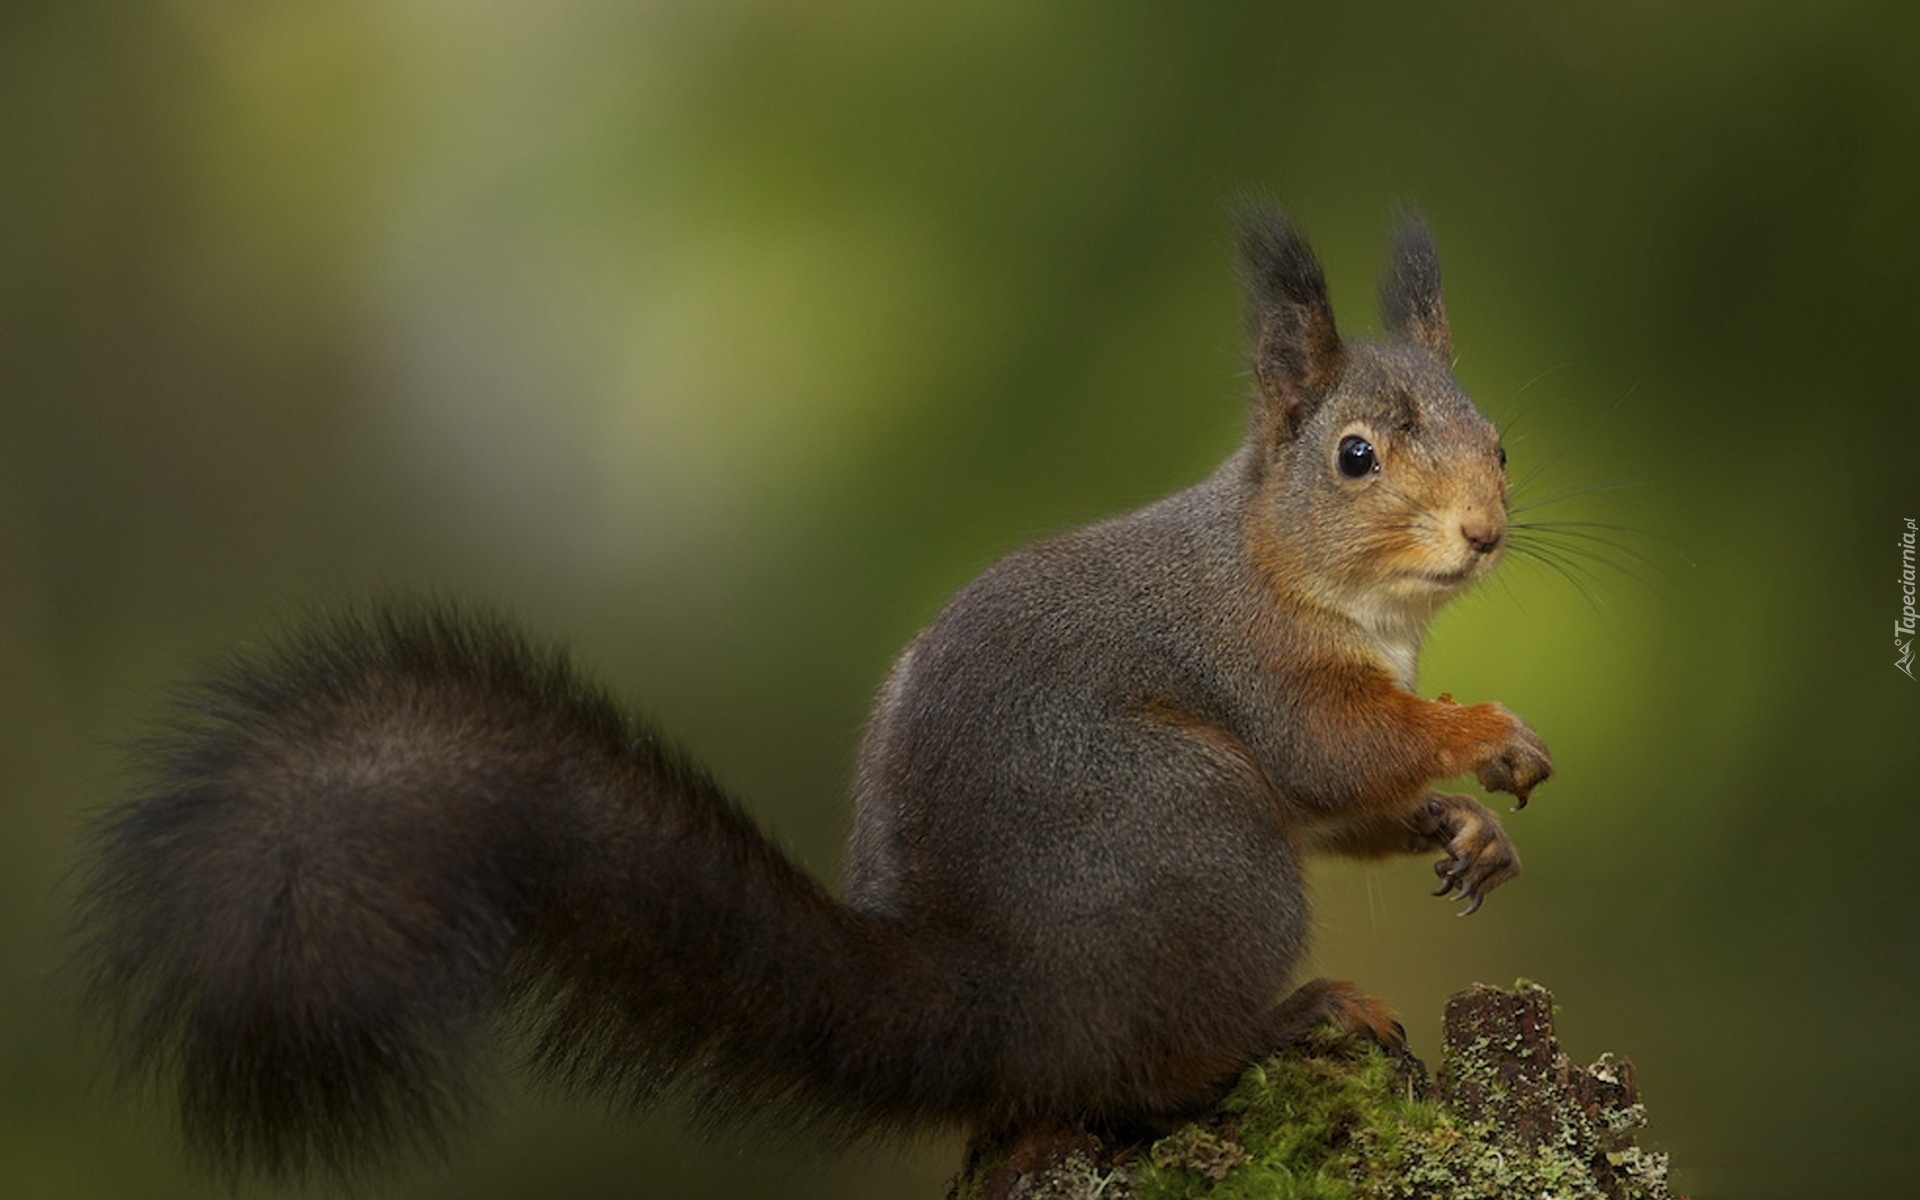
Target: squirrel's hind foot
[(1342, 1005)]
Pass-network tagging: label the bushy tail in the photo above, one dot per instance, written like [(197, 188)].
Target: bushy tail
[(356, 855)]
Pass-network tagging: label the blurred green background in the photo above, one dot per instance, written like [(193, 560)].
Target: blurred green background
[(723, 339)]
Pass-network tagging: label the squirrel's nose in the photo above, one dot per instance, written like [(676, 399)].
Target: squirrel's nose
[(1483, 537)]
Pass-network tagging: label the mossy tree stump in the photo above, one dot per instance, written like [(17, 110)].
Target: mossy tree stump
[(1507, 1117)]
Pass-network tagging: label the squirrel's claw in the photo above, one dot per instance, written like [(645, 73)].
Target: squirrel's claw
[(1457, 884), (1477, 856)]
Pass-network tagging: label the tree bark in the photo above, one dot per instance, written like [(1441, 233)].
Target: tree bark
[(1507, 1116)]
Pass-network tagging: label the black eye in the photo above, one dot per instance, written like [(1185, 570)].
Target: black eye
[(1503, 455), (1356, 457)]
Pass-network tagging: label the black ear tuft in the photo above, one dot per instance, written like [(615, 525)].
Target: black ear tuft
[(1410, 300), (1296, 348)]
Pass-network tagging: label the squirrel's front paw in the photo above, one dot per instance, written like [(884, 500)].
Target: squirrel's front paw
[(1519, 765), (1480, 857)]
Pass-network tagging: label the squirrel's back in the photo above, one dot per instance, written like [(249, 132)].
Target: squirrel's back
[(1054, 639)]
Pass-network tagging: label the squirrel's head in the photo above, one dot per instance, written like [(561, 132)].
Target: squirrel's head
[(1380, 490)]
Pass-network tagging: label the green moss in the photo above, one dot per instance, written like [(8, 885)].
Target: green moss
[(1298, 1126)]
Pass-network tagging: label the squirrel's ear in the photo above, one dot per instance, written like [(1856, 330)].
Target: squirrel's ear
[(1295, 346), (1410, 300)]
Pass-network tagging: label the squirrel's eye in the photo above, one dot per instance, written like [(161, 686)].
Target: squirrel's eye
[(1356, 457), (1503, 455)]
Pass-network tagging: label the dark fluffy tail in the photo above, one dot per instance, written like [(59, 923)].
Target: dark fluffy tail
[(358, 854)]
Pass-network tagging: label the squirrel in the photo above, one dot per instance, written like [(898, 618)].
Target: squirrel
[(1073, 886)]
